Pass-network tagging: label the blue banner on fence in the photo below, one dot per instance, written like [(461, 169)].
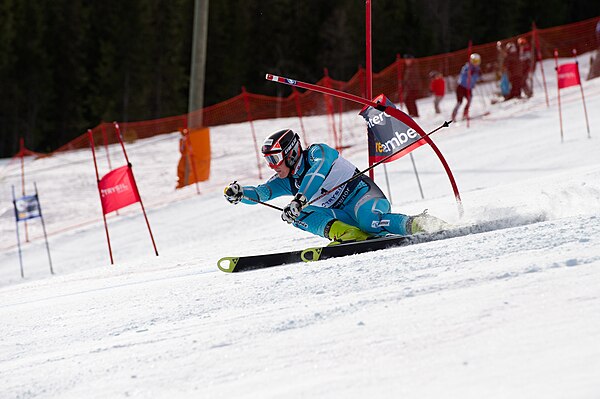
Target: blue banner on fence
[(27, 207)]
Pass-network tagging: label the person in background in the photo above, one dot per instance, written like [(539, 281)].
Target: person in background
[(438, 88), (500, 56), (514, 70), (526, 60), (182, 166), (467, 79), (411, 85), (355, 211)]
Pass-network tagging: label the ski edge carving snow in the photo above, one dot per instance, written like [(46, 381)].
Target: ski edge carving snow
[(313, 254)]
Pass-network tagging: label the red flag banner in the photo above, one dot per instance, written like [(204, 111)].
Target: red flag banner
[(117, 189), (568, 75)]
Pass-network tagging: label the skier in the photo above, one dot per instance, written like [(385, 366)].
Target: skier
[(469, 74), (355, 211)]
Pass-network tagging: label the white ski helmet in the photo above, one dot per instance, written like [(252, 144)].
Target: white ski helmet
[(475, 59)]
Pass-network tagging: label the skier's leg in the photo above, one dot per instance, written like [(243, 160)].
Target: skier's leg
[(468, 104), (334, 224), (459, 98), (314, 219), (371, 210)]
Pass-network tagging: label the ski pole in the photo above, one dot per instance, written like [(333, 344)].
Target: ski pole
[(356, 176), (263, 203)]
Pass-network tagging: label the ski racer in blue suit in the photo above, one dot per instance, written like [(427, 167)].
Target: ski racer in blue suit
[(354, 211), (468, 77)]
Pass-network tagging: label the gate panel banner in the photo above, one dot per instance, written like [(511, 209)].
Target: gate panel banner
[(117, 189), (27, 207), (568, 75), (388, 135)]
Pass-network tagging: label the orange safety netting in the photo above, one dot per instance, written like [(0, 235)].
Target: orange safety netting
[(248, 106)]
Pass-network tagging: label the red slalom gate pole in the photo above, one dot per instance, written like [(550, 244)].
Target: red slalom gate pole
[(299, 112), (369, 65), (392, 111), (91, 138), (330, 110), (558, 91), (118, 133), (105, 138)]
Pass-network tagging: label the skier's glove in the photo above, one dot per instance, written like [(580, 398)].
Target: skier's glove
[(293, 209), (233, 193)]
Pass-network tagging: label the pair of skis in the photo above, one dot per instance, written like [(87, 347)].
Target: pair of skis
[(246, 263)]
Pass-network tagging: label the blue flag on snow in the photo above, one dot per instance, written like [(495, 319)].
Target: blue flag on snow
[(27, 207), (388, 135)]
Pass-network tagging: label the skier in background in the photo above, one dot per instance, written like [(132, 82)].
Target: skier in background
[(468, 77), (355, 211), (514, 69), (527, 65)]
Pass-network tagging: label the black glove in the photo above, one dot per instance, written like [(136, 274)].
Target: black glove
[(233, 193), (293, 209)]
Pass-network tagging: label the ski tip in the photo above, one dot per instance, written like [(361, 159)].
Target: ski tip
[(311, 254), (227, 264)]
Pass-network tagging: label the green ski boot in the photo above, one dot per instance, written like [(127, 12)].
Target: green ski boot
[(339, 232)]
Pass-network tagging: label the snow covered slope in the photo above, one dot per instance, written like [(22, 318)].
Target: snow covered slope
[(508, 313)]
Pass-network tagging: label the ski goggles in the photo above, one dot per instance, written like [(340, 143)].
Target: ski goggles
[(274, 159)]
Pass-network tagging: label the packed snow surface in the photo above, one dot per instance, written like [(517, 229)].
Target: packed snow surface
[(511, 313)]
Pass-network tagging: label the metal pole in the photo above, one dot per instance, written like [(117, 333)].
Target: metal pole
[(18, 238), (198, 67), (22, 143), (582, 96), (387, 182), (37, 197), (412, 159)]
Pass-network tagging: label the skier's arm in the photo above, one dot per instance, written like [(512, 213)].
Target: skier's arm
[(320, 161), (273, 188)]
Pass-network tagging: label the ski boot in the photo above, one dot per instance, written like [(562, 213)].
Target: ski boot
[(425, 223), (339, 232)]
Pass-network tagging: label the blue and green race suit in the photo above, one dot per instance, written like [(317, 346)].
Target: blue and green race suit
[(359, 203)]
